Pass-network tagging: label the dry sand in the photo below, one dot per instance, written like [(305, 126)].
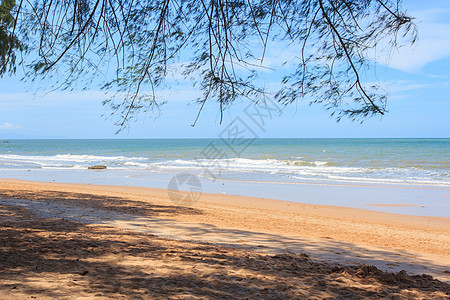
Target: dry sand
[(86, 241)]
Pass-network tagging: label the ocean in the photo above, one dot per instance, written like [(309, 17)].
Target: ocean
[(275, 168)]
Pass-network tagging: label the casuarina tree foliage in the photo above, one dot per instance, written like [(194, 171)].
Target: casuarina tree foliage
[(129, 46)]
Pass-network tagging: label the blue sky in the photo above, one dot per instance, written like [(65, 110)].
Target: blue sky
[(418, 81)]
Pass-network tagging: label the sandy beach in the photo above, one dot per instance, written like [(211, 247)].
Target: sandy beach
[(89, 241), (224, 150)]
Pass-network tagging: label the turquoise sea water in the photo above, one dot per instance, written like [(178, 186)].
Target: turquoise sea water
[(274, 168), (376, 160)]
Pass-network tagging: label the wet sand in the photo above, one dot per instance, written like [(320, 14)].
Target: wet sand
[(71, 240)]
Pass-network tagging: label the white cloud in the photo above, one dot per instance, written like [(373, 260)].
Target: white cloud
[(9, 126), (433, 44), (399, 86)]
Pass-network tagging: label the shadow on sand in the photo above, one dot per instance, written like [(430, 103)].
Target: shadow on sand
[(44, 256)]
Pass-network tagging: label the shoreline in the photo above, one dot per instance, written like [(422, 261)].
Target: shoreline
[(418, 200), (392, 242)]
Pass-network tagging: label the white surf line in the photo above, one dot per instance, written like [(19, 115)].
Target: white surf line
[(323, 249)]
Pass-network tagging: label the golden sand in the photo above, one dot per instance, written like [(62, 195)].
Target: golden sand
[(128, 242)]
